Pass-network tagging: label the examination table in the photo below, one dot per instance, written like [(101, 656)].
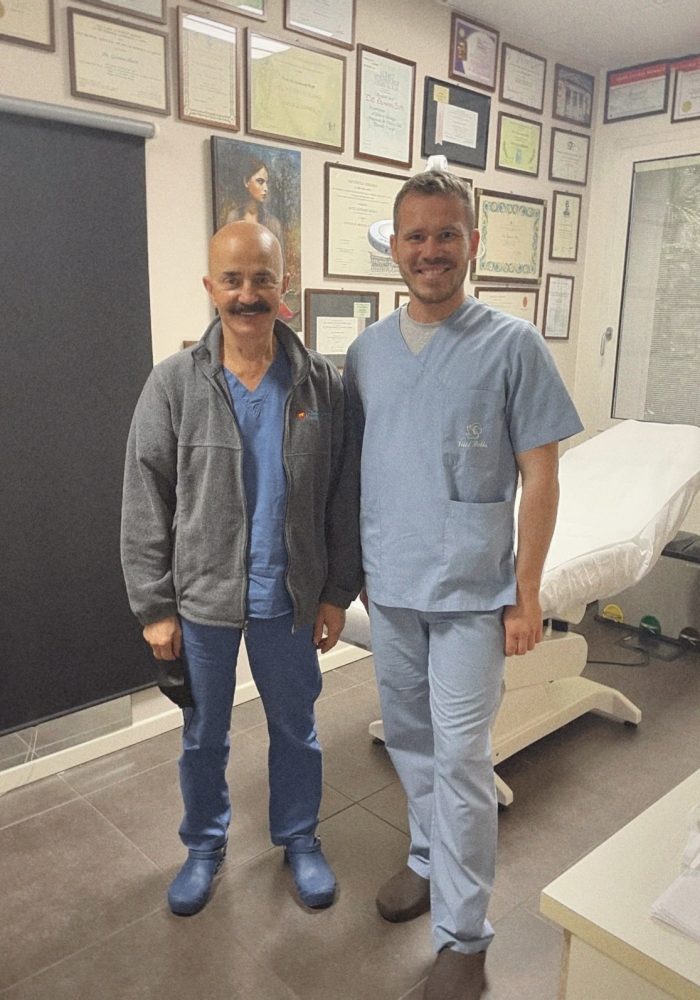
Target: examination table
[(624, 494)]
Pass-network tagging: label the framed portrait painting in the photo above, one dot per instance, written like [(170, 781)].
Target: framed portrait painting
[(262, 184)]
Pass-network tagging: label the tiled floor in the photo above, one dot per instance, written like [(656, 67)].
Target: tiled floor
[(86, 856)]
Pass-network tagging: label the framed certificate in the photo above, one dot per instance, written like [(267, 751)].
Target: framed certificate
[(568, 156), (455, 123), (558, 296), (332, 319), (249, 8), (386, 87), (566, 220), (208, 71), (329, 20), (355, 200), (520, 302), (518, 144), (256, 183), (295, 93), (686, 89), (401, 299), (636, 92), (512, 238), (522, 78), (28, 22), (151, 10), (473, 52), (573, 96), (118, 63)]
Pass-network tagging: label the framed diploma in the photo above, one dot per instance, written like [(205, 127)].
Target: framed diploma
[(566, 219), (208, 71), (386, 87), (118, 63), (686, 89), (568, 156), (355, 200), (518, 144), (522, 78), (151, 10), (28, 22), (330, 20), (520, 302), (295, 93), (332, 319), (558, 296), (636, 92), (573, 96), (401, 299), (455, 123), (512, 238), (473, 52), (249, 8)]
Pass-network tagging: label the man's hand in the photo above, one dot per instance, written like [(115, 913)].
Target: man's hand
[(330, 622), (522, 623), (164, 638)]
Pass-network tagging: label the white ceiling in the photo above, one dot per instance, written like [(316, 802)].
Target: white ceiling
[(604, 34)]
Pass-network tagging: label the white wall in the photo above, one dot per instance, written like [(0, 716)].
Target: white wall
[(178, 162), (617, 147)]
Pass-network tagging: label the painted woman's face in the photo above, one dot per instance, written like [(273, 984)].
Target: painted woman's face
[(256, 185)]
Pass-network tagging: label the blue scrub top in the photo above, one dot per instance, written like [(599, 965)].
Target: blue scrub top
[(441, 430), (261, 419)]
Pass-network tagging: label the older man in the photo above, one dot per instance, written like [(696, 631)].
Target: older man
[(236, 520)]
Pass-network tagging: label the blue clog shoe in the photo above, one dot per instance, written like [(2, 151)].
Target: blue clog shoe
[(190, 889), (313, 876)]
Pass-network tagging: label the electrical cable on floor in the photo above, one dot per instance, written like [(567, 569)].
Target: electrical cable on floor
[(642, 662)]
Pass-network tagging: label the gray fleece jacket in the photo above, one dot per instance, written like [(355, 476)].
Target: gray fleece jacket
[(185, 526)]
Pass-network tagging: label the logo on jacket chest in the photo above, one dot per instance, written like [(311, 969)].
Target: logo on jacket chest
[(471, 437)]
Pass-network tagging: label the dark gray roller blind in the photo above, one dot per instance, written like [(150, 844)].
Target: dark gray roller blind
[(75, 350)]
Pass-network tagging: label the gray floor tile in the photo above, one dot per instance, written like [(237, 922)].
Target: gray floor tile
[(524, 959), (148, 809), (390, 805), (353, 764), (359, 671), (69, 879), (346, 952), (35, 798), (126, 763), (155, 958)]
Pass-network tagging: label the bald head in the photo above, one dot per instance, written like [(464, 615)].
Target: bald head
[(247, 240), (246, 279)]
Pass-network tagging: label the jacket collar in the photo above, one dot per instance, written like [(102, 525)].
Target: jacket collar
[(207, 352)]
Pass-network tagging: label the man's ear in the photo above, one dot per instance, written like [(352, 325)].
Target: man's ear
[(474, 243), (392, 244)]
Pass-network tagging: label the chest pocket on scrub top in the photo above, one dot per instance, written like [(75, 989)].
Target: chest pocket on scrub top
[(472, 429)]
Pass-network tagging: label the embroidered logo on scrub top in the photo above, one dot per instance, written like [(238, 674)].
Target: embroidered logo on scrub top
[(308, 414), (471, 438)]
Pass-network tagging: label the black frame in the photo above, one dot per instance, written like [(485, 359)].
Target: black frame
[(469, 100)]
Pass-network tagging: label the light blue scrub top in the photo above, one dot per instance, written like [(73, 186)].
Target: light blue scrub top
[(261, 420), (439, 475)]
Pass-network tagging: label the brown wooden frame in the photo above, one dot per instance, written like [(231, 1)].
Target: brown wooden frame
[(71, 12), (575, 197), (565, 277), (318, 35), (462, 77), (361, 49), (183, 12), (515, 170), (538, 108), (49, 46)]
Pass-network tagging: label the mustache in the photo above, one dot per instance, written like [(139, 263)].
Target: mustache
[(255, 307)]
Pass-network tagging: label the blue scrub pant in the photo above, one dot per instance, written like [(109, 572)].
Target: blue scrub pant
[(440, 679), (284, 665)]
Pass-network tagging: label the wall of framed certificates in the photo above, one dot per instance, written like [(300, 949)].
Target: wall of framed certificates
[(363, 94)]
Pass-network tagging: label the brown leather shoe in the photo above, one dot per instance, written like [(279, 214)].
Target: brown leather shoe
[(405, 896), (456, 976)]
